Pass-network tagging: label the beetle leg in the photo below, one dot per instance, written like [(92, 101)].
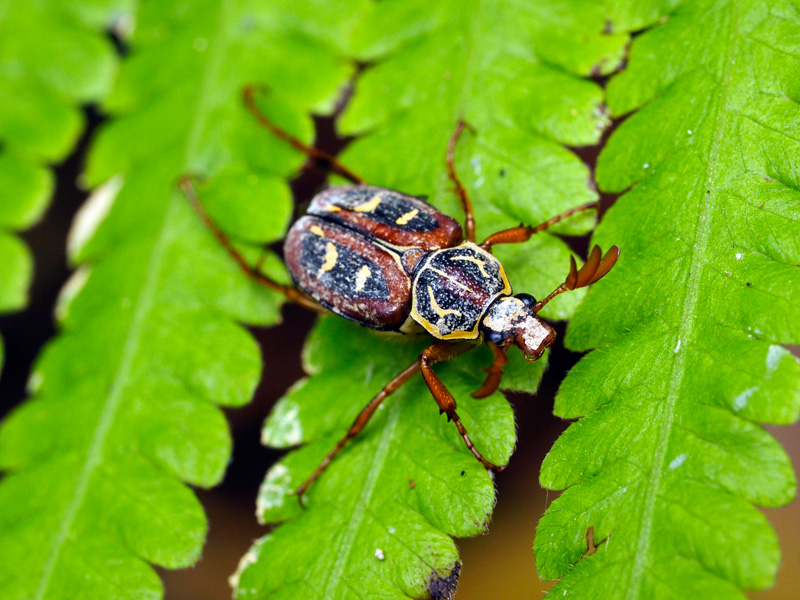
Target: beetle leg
[(495, 374), (361, 421), (523, 233), (593, 269), (321, 159), (469, 219), (438, 352), (292, 293)]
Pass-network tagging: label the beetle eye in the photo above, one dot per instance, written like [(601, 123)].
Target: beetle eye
[(496, 337), (527, 299)]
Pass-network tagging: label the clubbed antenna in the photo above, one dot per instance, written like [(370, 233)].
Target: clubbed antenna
[(594, 268)]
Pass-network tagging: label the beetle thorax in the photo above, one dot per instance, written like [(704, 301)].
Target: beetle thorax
[(453, 288)]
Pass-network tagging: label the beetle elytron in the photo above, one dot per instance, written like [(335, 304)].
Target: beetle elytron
[(392, 262)]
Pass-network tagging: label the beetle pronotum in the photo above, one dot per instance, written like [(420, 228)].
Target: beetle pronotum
[(392, 262)]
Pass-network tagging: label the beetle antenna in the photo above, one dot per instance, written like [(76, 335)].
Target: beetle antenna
[(594, 269)]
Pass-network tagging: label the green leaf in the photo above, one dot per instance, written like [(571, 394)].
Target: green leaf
[(53, 60), (514, 72), (385, 507), (124, 410), (667, 460)]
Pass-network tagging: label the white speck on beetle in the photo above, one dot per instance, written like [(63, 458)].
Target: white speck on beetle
[(379, 554), (391, 530), (677, 347), (738, 256), (689, 131), (646, 166), (741, 400), (677, 461)]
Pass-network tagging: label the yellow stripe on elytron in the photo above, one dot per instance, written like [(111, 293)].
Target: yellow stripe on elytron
[(506, 286), (404, 219), (361, 279), (333, 208), (317, 230), (331, 255), (369, 205), (442, 312), (437, 333), (472, 259), (453, 279)]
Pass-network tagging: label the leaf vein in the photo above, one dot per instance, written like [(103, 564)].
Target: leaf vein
[(687, 329)]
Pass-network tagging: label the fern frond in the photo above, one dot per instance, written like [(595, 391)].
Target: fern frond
[(125, 406), (668, 459), (55, 58)]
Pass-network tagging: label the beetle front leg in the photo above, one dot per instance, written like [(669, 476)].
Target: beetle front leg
[(495, 374), (292, 293), (438, 352)]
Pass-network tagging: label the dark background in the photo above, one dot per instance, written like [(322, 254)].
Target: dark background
[(498, 565)]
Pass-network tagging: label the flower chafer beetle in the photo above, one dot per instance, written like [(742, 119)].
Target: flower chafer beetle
[(392, 262)]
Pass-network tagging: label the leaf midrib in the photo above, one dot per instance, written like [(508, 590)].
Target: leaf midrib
[(94, 454), (144, 303), (345, 547), (687, 329)]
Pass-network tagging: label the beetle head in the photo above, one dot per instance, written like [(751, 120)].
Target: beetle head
[(512, 320)]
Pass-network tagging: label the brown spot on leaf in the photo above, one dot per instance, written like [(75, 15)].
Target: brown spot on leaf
[(591, 548), (444, 588)]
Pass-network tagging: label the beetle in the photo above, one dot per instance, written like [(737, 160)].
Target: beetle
[(392, 262)]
